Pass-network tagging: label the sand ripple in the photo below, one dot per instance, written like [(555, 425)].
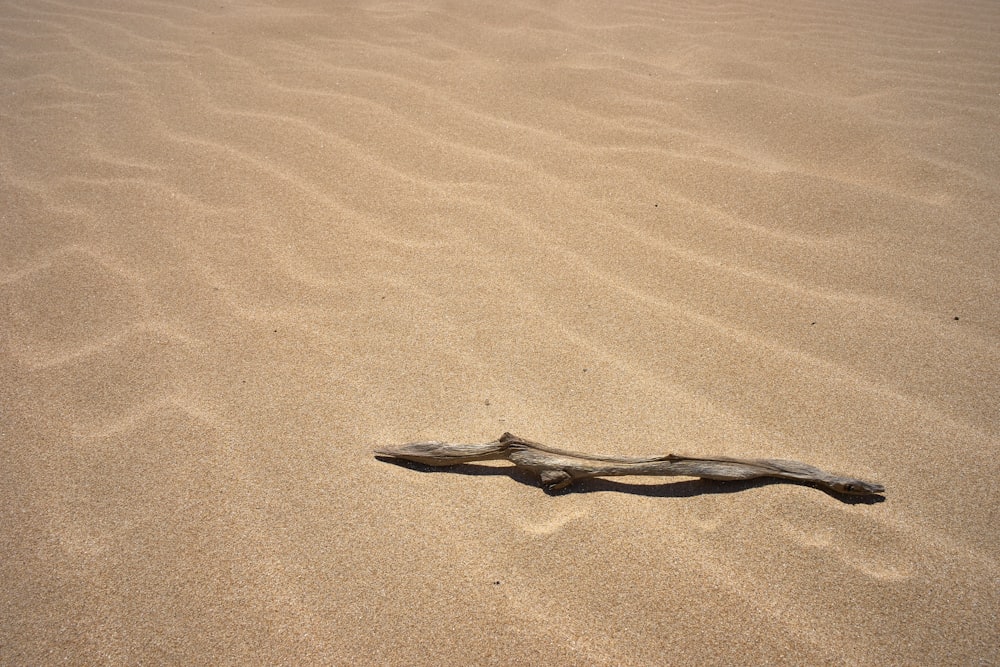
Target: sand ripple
[(241, 245)]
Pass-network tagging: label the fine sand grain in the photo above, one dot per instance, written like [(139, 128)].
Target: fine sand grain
[(244, 244)]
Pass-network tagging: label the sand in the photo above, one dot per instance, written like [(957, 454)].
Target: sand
[(244, 244)]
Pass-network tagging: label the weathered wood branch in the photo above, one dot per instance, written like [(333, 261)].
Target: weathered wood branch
[(558, 468)]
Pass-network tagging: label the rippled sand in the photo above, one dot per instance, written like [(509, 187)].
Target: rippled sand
[(243, 245)]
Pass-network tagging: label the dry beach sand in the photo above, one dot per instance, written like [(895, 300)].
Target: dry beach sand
[(242, 245)]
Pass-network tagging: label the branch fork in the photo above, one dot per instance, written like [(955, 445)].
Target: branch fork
[(558, 468)]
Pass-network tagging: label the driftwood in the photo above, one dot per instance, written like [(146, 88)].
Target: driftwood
[(559, 468)]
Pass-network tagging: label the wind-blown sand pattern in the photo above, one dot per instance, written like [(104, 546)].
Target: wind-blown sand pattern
[(243, 245)]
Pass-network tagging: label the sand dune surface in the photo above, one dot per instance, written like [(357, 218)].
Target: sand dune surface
[(245, 244)]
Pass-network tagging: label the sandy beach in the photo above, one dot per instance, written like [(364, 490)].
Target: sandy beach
[(245, 244)]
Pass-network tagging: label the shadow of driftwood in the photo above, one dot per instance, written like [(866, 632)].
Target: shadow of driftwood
[(682, 489)]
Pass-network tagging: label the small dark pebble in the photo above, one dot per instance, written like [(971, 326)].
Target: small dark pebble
[(956, 318)]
